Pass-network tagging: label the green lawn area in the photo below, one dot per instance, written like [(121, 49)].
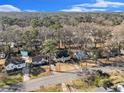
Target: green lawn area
[(9, 80), (54, 88)]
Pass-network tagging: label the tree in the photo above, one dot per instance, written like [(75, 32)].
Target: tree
[(28, 37), (35, 23), (117, 39), (49, 48)]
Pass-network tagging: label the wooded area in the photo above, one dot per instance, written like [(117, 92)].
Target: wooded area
[(85, 30)]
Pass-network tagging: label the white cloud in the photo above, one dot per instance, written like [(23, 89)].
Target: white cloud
[(101, 3), (9, 8), (118, 11), (30, 10), (73, 9), (80, 9)]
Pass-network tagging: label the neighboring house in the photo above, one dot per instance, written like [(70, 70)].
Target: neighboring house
[(13, 64), (39, 60), (80, 55), (62, 55)]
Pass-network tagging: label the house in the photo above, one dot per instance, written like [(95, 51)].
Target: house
[(14, 64), (62, 55), (80, 55), (39, 60)]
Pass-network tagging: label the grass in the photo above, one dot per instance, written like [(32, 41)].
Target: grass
[(55, 88), (82, 86), (9, 80)]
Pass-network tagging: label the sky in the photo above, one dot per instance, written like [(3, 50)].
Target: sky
[(61, 5)]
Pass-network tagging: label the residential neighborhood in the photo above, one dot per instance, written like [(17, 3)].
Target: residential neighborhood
[(61, 52)]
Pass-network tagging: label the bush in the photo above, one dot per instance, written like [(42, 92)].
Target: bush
[(98, 79)]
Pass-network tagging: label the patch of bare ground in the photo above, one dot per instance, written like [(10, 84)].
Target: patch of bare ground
[(65, 67)]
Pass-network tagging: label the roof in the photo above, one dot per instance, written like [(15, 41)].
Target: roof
[(14, 61), (38, 58), (62, 53)]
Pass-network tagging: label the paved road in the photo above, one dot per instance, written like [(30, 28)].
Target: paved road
[(49, 80)]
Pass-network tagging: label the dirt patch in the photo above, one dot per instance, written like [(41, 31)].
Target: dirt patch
[(65, 67)]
